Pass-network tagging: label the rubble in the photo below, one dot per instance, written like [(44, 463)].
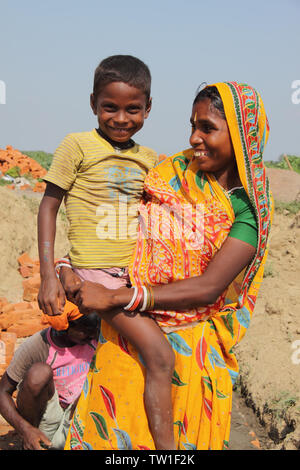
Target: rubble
[(20, 171), (20, 319)]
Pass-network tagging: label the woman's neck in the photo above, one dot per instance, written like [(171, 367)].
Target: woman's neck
[(228, 178)]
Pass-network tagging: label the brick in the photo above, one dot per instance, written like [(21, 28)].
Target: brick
[(7, 308), (9, 340), (26, 328), (25, 259), (22, 306)]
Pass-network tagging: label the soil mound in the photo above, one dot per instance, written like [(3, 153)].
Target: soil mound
[(18, 234), (285, 184)]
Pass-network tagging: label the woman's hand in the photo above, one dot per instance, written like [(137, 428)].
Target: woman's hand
[(70, 282), (51, 298), (92, 296)]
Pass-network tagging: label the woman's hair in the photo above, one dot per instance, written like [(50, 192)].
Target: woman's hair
[(211, 93), (122, 68)]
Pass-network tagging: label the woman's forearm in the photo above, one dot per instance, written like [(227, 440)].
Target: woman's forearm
[(201, 290), (181, 295)]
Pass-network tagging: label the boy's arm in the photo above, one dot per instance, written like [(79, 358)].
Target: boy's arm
[(51, 295), (31, 436)]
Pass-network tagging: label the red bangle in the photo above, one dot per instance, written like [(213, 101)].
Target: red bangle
[(137, 300)]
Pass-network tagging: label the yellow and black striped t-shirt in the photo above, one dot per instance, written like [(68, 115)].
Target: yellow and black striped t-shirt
[(104, 187)]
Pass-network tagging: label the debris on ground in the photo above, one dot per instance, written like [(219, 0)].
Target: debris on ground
[(20, 171)]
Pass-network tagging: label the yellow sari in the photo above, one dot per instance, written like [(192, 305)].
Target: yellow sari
[(196, 214)]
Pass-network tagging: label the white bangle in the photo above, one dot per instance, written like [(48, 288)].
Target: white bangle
[(145, 299), (132, 300), (60, 265)]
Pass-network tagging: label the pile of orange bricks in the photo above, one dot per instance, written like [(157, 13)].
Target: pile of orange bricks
[(21, 319), (11, 157)]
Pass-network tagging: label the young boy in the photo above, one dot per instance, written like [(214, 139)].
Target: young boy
[(48, 370), (101, 173)]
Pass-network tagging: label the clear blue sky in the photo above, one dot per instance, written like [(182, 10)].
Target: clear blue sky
[(49, 50)]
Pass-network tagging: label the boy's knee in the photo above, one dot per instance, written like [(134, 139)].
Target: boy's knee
[(161, 359), (37, 377)]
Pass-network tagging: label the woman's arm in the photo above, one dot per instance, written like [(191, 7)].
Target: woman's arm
[(198, 291), (51, 289)]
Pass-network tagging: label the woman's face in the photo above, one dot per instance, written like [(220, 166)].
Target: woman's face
[(210, 139)]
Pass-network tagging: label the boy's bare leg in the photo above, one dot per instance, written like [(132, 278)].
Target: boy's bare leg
[(145, 335)]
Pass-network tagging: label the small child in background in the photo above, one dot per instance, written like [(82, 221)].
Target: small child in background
[(100, 174)]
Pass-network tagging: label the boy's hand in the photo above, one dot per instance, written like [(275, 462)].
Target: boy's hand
[(70, 282), (51, 296), (33, 439)]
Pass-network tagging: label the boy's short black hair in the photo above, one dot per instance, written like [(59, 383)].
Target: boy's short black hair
[(87, 321), (211, 93), (123, 68)]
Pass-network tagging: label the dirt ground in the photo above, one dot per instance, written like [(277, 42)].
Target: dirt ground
[(266, 412)]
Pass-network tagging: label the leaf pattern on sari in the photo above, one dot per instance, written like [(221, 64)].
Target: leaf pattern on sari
[(176, 380), (218, 360), (225, 445), (86, 446), (189, 446), (123, 439), (243, 316), (123, 343), (220, 394), (179, 344), (100, 424), (109, 401), (201, 350), (85, 387), (228, 322), (207, 381), (208, 408)]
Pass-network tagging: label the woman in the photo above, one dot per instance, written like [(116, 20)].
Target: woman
[(202, 246)]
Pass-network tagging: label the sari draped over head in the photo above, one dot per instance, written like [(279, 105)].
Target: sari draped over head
[(184, 219)]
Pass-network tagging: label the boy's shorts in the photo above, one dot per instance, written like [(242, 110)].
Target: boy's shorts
[(112, 278), (56, 421)]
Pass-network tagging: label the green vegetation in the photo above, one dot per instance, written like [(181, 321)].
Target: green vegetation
[(269, 270), (290, 207), (4, 182), (14, 172), (282, 163), (281, 402), (43, 158)]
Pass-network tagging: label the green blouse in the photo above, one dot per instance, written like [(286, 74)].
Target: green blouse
[(244, 226)]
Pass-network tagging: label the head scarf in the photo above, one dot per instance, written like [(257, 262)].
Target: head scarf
[(61, 322)]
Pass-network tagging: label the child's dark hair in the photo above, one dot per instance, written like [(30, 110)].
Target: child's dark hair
[(211, 93), (123, 68), (89, 321)]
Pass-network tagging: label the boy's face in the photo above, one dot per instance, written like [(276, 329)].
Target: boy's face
[(121, 110)]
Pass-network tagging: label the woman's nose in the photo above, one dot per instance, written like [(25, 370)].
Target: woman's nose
[(196, 138)]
